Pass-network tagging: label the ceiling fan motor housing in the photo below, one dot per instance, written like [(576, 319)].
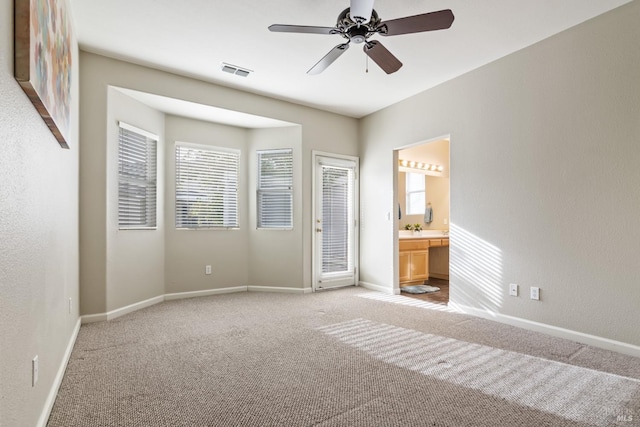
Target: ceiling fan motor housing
[(354, 31), (358, 34)]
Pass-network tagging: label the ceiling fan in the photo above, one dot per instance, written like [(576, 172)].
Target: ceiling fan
[(359, 22)]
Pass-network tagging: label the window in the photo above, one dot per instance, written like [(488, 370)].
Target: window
[(206, 187), (137, 151), (275, 188), (415, 193)]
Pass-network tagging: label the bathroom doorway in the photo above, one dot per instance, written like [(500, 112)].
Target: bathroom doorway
[(423, 215)]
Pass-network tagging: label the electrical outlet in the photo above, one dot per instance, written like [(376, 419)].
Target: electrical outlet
[(34, 371), (446, 221), (513, 289), (207, 269), (535, 293)]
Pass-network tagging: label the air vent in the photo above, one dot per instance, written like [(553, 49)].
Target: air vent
[(234, 69)]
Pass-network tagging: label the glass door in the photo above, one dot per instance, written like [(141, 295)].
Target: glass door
[(335, 222)]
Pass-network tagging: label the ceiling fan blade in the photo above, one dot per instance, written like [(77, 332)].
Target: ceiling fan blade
[(432, 21), (381, 56), (328, 59), (278, 28), (361, 10)]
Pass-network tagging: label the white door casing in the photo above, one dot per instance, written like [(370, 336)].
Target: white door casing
[(335, 221)]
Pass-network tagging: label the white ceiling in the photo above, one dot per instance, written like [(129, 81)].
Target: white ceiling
[(193, 38), (207, 113)]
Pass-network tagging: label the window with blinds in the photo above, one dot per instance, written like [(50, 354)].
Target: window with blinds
[(137, 154), (206, 187), (416, 195), (275, 189)]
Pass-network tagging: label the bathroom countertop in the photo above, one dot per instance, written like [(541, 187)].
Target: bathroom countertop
[(425, 234)]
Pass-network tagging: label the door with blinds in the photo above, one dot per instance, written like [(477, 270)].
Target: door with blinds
[(335, 221)]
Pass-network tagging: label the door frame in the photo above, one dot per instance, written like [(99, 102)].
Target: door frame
[(356, 215), (396, 238)]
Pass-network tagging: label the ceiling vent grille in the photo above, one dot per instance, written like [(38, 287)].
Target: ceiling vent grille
[(234, 69)]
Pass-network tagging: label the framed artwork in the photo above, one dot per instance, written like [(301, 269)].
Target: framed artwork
[(43, 60)]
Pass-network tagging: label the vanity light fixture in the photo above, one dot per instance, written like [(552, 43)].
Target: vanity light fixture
[(420, 166)]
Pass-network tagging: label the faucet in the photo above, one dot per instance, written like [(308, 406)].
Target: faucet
[(445, 232)]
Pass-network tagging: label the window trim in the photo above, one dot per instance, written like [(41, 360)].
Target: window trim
[(211, 148), (154, 139), (281, 190)]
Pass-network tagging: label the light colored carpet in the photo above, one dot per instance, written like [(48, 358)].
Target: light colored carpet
[(345, 357)]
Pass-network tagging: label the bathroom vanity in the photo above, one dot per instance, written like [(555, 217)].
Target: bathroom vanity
[(414, 255)]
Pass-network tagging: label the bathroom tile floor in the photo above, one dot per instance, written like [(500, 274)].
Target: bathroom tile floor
[(439, 297)]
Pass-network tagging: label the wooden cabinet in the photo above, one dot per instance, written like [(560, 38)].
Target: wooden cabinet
[(414, 266), (405, 266), (414, 258), (420, 265)]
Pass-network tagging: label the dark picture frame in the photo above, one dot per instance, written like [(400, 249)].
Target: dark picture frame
[(43, 42)]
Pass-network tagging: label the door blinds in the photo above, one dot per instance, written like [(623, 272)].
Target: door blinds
[(337, 214)]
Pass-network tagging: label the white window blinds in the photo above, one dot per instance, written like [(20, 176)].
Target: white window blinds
[(137, 151), (416, 199), (206, 187), (275, 188), (338, 220)]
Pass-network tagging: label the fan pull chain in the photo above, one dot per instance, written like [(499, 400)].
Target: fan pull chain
[(367, 67)]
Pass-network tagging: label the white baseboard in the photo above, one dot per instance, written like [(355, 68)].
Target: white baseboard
[(134, 307), (122, 311), (207, 293), (93, 318), (57, 381), (101, 317), (593, 340), (279, 289), (378, 288)]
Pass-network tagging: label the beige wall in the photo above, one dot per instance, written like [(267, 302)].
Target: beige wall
[(187, 252), (276, 256), (544, 174), (135, 258), (38, 243)]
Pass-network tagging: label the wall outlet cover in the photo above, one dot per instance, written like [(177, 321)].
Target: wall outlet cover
[(535, 293)]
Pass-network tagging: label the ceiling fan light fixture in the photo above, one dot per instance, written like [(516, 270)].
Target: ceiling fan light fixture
[(361, 10)]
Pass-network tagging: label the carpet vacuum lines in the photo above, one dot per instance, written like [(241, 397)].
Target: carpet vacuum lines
[(571, 392)]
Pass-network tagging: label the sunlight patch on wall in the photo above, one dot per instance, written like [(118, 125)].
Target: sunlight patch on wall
[(475, 266), (571, 392)]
